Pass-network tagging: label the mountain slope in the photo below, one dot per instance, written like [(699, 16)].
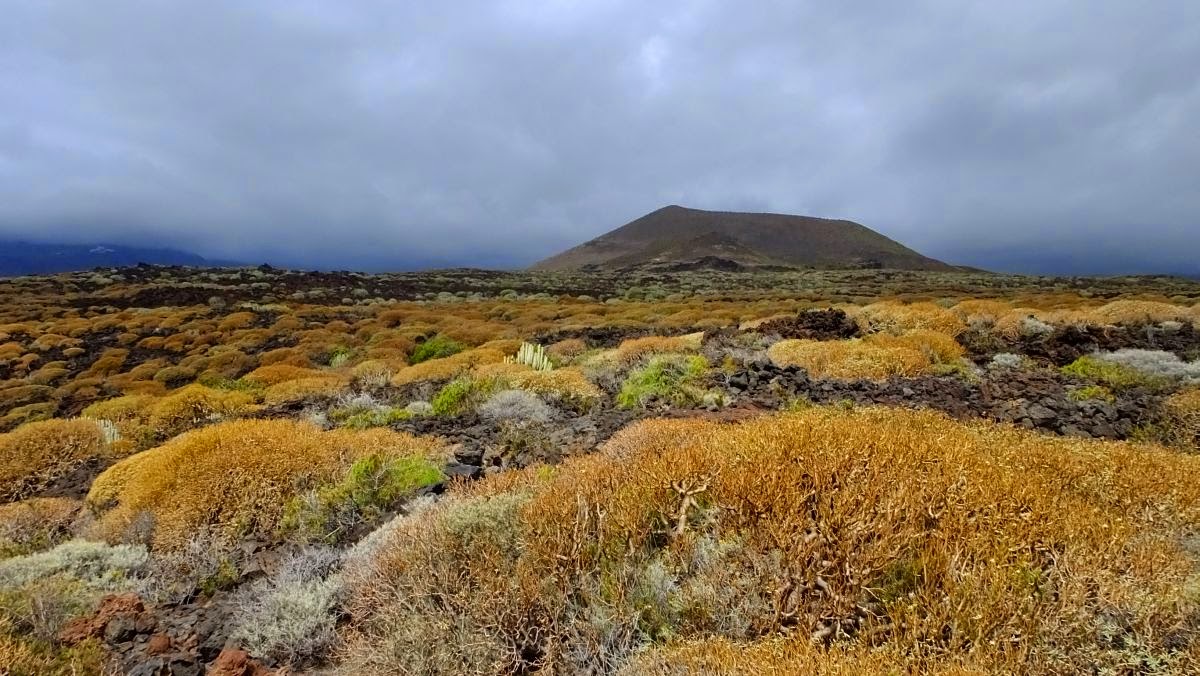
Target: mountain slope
[(677, 234), (28, 258)]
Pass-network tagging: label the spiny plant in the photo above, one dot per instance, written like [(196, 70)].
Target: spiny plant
[(533, 356)]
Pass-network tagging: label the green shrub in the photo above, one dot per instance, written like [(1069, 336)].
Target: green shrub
[(363, 412), (219, 382), (673, 378), (1112, 374), (372, 486), (435, 348), (1091, 393), (456, 396), (340, 356)]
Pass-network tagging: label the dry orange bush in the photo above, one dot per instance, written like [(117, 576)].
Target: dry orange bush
[(1012, 324), (785, 657), (896, 317), (1138, 311), (981, 311), (285, 355), (35, 524), (235, 321), (50, 341), (226, 363), (850, 359), (109, 363), (1182, 412), (564, 351), (938, 348), (235, 477), (376, 370), (562, 383), (10, 351), (48, 375), (35, 455), (631, 350), (907, 542), (290, 391), (447, 367), (194, 405), (274, 374)]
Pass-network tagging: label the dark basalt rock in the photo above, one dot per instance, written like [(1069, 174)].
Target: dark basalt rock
[(830, 324), (1033, 399)]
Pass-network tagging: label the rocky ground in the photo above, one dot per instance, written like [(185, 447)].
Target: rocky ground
[(191, 634)]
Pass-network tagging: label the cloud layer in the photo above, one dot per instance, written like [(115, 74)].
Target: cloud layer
[(1023, 135)]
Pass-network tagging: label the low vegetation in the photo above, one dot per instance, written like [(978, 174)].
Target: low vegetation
[(673, 379), (489, 472), (683, 536), (1112, 374), (372, 486), (35, 455), (237, 477), (436, 347), (35, 524)]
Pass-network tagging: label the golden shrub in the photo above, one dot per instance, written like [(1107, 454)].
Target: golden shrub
[(1138, 311), (285, 355), (235, 477), (235, 321), (505, 345), (909, 542), (897, 317), (109, 363), (446, 368), (850, 359), (631, 350), (227, 363), (291, 391), (982, 311), (785, 656), (34, 455), (28, 413), (1012, 324), (48, 375), (938, 348), (51, 341), (194, 405), (377, 369), (22, 654), (562, 383), (11, 351), (35, 524), (1182, 413), (564, 351), (274, 374)]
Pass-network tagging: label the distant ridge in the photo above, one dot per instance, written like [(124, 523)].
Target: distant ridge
[(675, 235), (29, 258)]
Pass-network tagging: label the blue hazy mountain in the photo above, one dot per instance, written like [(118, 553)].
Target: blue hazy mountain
[(32, 258)]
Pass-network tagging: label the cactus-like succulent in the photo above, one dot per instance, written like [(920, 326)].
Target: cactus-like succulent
[(533, 356)]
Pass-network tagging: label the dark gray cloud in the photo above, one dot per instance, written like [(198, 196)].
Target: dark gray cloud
[(376, 134)]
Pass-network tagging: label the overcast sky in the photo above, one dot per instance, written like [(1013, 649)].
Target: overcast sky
[(368, 134)]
